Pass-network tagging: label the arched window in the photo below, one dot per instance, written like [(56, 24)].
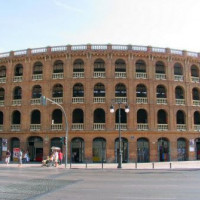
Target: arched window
[(120, 66), (19, 70), (194, 71), (99, 116), (161, 92), (99, 65), (178, 69), (1, 118), (99, 150), (2, 94), (195, 94), (36, 91), (180, 117), (57, 91), (78, 65), (141, 91), (179, 93), (37, 68), (196, 117), (16, 117), (58, 66), (99, 90), (57, 116), (120, 90), (162, 117), (17, 93), (142, 116), (35, 117), (143, 150), (182, 149), (140, 66), (78, 116), (123, 117), (2, 71), (78, 90), (160, 67)]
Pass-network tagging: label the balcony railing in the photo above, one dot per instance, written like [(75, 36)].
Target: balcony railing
[(142, 127), (77, 126), (35, 101), (15, 127), (140, 75), (16, 102), (77, 99), (121, 99), (178, 77), (78, 74), (196, 127), (181, 127), (99, 74), (162, 101), (195, 79), (17, 79), (57, 76), (196, 102), (141, 100), (37, 77), (160, 76), (123, 126), (58, 100), (120, 74), (99, 126), (180, 101), (99, 99), (1, 102), (56, 127), (35, 127), (1, 127), (3, 80), (162, 127)]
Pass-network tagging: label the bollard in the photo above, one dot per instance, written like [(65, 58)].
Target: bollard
[(152, 165), (70, 165), (170, 165), (102, 165), (135, 165), (86, 165)]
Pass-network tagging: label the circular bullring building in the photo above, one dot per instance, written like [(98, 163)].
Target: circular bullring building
[(161, 86)]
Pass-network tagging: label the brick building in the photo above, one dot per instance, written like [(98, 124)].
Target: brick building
[(160, 86)]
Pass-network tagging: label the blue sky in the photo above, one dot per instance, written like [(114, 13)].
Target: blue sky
[(40, 23)]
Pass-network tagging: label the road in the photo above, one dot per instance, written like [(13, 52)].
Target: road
[(93, 184)]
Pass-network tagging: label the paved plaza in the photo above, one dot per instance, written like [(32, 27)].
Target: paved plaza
[(35, 182)]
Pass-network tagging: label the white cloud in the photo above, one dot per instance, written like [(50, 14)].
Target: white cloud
[(66, 6)]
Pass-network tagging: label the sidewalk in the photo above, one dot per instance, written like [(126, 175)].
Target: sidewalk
[(135, 166)]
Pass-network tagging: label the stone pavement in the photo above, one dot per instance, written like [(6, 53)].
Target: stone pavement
[(128, 166)]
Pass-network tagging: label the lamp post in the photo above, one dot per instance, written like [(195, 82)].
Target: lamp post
[(120, 138), (44, 100)]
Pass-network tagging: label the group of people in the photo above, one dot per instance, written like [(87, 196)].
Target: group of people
[(23, 157), (55, 158)]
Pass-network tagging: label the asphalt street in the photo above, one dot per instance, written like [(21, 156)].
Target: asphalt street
[(54, 183)]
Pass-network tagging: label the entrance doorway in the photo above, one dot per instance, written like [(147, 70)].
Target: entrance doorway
[(77, 150), (142, 150), (35, 148), (163, 150), (197, 148), (15, 143), (124, 148), (99, 150), (181, 149), (56, 142)]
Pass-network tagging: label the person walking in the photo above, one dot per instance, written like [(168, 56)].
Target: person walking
[(8, 154), (60, 157), (56, 158), (20, 158)]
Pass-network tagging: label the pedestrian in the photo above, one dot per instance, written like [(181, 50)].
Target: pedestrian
[(60, 156), (7, 160), (20, 158), (56, 158)]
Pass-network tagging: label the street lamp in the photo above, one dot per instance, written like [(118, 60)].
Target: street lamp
[(43, 101), (112, 110)]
